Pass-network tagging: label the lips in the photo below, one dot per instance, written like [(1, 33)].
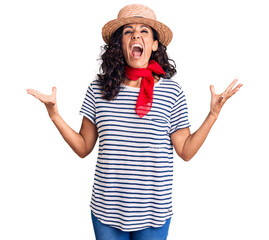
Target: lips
[(136, 50)]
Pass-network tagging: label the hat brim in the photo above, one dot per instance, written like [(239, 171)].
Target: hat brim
[(164, 33)]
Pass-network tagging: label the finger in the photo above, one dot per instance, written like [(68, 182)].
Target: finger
[(235, 90), (54, 90), (230, 87), (40, 96), (33, 92), (212, 90)]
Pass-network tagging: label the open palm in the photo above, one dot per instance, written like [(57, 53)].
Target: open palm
[(218, 100), (48, 100)]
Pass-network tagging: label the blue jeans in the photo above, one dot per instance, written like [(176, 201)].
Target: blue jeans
[(105, 232)]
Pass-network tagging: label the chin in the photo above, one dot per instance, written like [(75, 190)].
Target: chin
[(136, 63)]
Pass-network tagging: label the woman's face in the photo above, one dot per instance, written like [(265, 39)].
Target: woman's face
[(138, 44)]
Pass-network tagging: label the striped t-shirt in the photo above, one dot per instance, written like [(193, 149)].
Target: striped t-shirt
[(132, 187)]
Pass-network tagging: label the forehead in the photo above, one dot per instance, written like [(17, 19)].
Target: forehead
[(139, 25)]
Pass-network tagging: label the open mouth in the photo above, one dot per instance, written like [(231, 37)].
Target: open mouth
[(137, 50)]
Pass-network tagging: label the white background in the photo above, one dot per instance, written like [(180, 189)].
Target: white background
[(222, 193)]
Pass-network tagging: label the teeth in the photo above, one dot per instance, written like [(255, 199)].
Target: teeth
[(137, 45)]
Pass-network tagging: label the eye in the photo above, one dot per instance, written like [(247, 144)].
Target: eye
[(127, 32), (144, 31)]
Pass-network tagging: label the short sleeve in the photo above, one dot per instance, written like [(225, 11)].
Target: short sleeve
[(179, 114), (88, 107)]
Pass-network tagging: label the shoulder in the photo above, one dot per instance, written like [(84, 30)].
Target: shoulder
[(172, 85), (94, 86), (94, 83)]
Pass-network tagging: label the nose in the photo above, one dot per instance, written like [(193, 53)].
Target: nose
[(136, 35)]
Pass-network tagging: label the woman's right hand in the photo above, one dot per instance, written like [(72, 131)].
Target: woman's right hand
[(48, 100), (83, 142)]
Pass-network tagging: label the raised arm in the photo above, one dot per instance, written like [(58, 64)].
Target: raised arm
[(186, 144), (83, 142)]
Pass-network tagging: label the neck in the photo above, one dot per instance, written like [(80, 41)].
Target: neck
[(137, 83)]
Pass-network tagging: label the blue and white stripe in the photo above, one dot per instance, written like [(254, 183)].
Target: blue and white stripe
[(134, 171)]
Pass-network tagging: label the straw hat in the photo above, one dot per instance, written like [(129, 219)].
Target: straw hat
[(137, 13)]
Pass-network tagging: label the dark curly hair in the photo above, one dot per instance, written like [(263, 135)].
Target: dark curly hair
[(112, 72)]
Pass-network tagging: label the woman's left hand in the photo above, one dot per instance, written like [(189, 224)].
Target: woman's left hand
[(218, 100)]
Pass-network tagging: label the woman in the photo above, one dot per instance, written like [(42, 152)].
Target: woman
[(139, 113)]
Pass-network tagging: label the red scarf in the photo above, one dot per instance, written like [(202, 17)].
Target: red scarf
[(145, 97)]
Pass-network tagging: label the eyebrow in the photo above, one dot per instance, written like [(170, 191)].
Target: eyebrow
[(128, 26)]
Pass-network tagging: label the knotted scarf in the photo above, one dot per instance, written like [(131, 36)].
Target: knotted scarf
[(145, 97)]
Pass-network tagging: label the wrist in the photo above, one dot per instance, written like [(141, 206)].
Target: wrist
[(54, 116), (53, 112), (213, 116)]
